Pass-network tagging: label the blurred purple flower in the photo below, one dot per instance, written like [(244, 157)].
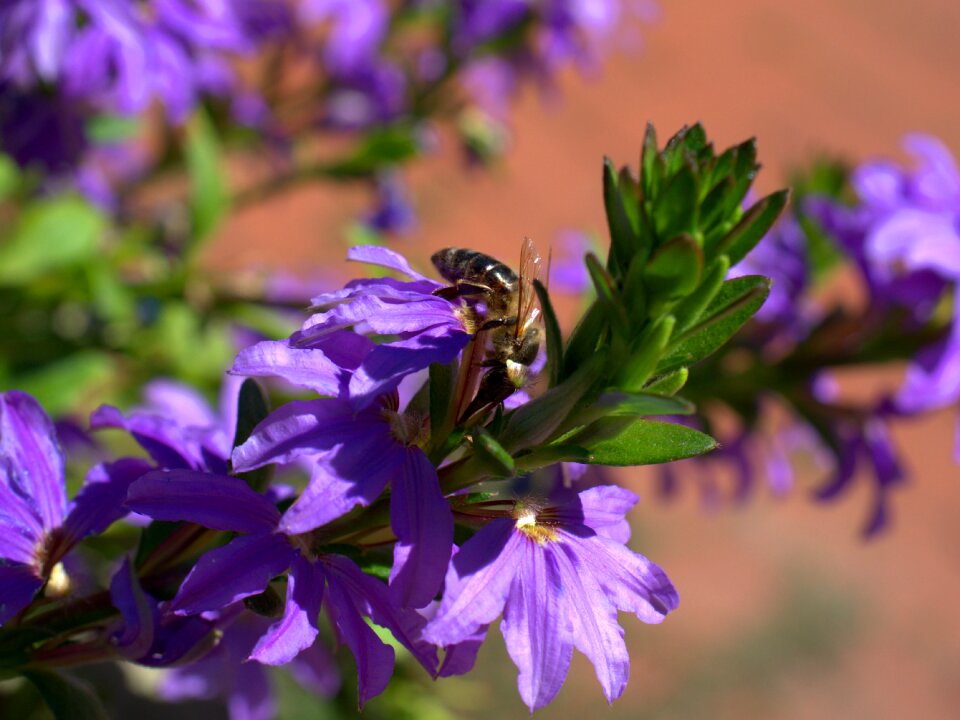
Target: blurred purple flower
[(782, 256), (37, 525), (42, 129), (568, 271), (177, 427), (558, 571), (393, 212), (905, 236), (247, 686)]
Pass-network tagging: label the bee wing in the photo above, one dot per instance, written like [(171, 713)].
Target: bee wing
[(531, 268)]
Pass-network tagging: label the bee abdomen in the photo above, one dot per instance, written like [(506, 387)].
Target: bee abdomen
[(456, 264)]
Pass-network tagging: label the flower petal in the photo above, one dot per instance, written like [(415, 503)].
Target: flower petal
[(303, 367), (329, 495), (374, 659), (163, 438), (18, 584), (16, 542), (297, 629), (605, 508), (316, 669), (35, 464), (251, 693), (241, 568), (100, 501), (176, 400), (384, 257), (421, 519), (596, 632), (214, 501), (459, 659), (631, 581), (373, 597), (138, 614), (298, 428), (536, 630), (386, 365), (477, 583)]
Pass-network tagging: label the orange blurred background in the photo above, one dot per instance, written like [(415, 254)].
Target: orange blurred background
[(785, 612)]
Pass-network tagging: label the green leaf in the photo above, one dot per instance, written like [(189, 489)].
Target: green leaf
[(607, 297), (67, 697), (676, 207), (383, 146), (9, 176), (554, 339), (103, 129), (689, 310), (492, 454), (647, 351), (442, 381), (252, 407), (753, 226), (623, 240), (51, 235), (669, 384), (582, 343), (551, 455), (647, 442), (649, 165), (674, 269), (535, 421), (636, 404), (734, 304), (72, 381), (209, 196)]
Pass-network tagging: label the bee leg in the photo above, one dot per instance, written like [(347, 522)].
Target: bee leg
[(461, 288), (498, 322), (495, 387)]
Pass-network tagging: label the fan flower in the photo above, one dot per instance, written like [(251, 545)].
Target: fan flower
[(330, 353), (37, 525), (246, 565), (558, 572), (357, 454)]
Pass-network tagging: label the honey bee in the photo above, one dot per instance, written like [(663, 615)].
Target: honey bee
[(504, 308)]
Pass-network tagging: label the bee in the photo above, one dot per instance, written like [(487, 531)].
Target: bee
[(504, 307)]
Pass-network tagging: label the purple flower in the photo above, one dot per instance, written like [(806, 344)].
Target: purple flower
[(558, 572), (176, 427), (325, 357), (246, 565), (568, 272), (358, 28), (782, 256), (872, 442), (42, 129), (247, 686), (905, 236), (37, 525), (357, 454), (393, 212)]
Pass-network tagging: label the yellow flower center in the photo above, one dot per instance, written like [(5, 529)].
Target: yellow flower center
[(527, 522)]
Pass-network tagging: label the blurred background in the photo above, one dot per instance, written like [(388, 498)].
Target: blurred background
[(785, 612)]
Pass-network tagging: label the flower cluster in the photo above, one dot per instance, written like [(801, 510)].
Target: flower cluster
[(432, 507), (64, 63), (901, 235)]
